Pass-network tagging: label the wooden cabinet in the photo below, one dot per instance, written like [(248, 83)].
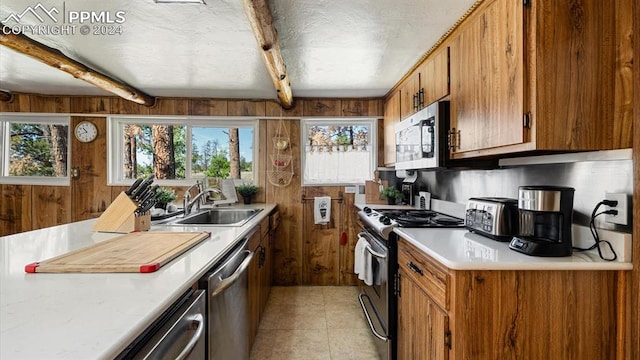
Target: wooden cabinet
[(487, 78), (428, 83), (260, 270), (409, 95), (422, 319), (538, 77), (505, 314), (434, 77), (253, 285), (391, 118), (422, 325)]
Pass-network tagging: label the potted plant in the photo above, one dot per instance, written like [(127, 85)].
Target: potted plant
[(392, 194), (247, 190), (164, 196)]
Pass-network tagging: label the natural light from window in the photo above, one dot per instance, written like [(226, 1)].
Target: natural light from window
[(338, 151), (35, 149), (177, 151)]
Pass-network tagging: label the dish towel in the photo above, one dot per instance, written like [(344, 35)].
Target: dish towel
[(358, 256), (322, 209), (363, 261)]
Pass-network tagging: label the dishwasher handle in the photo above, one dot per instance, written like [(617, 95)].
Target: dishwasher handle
[(171, 338), (227, 282), (199, 320)]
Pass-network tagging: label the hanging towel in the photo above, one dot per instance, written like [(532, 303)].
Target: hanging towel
[(322, 209), (367, 266), (363, 261), (358, 256)]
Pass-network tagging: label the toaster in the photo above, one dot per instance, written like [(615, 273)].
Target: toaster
[(493, 217)]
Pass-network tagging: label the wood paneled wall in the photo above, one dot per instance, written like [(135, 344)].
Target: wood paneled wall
[(305, 253), (634, 333)]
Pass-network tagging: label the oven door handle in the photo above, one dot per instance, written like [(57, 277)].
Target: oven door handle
[(366, 314), (371, 251)]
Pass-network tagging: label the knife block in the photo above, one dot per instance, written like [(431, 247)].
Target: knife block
[(120, 217)]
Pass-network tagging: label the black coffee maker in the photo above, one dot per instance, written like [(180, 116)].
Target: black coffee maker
[(545, 220)]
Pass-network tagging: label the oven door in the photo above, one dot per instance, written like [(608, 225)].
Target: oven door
[(374, 299)]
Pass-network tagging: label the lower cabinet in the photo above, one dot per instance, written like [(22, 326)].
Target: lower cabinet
[(253, 283), (423, 323), (507, 314), (260, 271)]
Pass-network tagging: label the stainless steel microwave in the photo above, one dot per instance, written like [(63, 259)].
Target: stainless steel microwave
[(421, 138)]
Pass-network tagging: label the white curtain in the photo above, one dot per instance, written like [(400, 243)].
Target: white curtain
[(350, 166)]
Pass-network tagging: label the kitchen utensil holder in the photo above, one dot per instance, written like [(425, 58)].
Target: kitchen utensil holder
[(121, 217)]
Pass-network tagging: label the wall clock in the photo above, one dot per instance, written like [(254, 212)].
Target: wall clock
[(86, 131)]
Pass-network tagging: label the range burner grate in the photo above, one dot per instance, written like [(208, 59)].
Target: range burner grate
[(422, 218)]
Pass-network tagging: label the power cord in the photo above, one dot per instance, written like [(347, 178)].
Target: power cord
[(592, 226)]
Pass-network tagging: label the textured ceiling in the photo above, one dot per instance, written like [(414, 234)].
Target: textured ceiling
[(332, 48)]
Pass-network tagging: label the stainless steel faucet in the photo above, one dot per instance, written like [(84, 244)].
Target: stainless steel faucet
[(198, 199), (187, 203)]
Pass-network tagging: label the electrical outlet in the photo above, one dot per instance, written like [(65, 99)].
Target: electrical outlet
[(622, 216)]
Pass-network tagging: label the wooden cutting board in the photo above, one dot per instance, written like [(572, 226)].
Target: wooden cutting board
[(142, 252)]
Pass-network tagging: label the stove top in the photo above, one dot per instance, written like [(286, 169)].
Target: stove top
[(422, 218), (383, 221)]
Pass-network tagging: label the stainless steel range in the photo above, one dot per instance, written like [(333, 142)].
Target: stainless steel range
[(379, 295)]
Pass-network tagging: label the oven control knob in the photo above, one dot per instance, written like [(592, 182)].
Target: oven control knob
[(385, 220), (367, 210)]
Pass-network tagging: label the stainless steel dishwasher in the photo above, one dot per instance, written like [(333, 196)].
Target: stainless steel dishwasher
[(227, 305), (179, 334)]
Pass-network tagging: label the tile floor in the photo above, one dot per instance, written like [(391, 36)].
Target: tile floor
[(313, 322)]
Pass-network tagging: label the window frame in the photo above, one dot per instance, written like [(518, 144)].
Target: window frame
[(115, 141), (305, 123), (32, 118)]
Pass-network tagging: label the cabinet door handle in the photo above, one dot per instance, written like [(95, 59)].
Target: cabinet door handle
[(415, 268), (415, 102), (421, 97)]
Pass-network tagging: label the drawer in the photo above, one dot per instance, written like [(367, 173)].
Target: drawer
[(428, 274), (275, 220), (264, 227)]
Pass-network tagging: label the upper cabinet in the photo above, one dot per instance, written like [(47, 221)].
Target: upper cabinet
[(434, 77), (391, 118), (410, 95), (429, 82), (547, 76)]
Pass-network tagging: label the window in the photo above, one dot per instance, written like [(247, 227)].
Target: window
[(179, 150), (34, 149), (338, 151)]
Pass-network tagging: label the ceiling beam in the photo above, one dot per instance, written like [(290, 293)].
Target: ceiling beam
[(6, 96), (262, 24), (58, 60)]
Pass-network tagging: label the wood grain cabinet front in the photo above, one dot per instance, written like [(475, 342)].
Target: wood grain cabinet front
[(423, 324), (506, 314), (260, 270), (391, 118), (548, 75)]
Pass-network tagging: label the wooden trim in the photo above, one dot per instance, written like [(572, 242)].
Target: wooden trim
[(262, 24), (433, 48), (6, 96), (58, 60)]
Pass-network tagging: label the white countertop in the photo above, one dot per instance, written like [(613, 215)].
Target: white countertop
[(92, 316), (459, 249)]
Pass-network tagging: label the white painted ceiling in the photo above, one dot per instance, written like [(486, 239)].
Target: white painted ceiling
[(332, 48)]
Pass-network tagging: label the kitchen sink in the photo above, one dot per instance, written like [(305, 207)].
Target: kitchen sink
[(217, 217)]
